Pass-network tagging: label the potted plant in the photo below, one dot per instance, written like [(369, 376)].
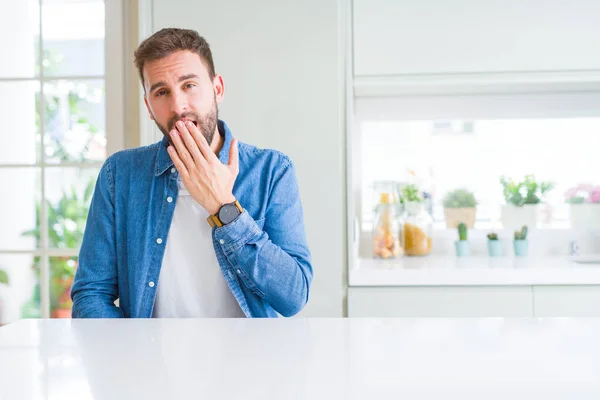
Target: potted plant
[(66, 226), (584, 206), (522, 201), (463, 248), (460, 206), (520, 243), (494, 245)]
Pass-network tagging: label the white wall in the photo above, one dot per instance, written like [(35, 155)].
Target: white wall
[(282, 63)]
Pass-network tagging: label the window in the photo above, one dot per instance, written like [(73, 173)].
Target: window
[(442, 143), (560, 151), (55, 92)]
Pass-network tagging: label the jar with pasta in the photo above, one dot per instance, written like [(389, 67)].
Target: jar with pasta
[(417, 229)]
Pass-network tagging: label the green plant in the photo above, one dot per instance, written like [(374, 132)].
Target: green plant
[(410, 193), (521, 234), (462, 231), (66, 225), (492, 236), (3, 277), (460, 198), (529, 191)]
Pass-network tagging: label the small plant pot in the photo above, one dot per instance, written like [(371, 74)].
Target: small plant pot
[(463, 248), (61, 313), (521, 247), (495, 248), (514, 217), (454, 216), (585, 216)]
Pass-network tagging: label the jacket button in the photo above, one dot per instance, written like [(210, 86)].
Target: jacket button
[(169, 199), (172, 170), (222, 241), (159, 241), (151, 284)]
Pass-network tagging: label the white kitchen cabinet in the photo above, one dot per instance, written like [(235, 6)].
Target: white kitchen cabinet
[(566, 301), (438, 301), (405, 37), (545, 301)]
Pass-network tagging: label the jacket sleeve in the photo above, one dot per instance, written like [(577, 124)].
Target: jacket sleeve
[(95, 287), (273, 262)]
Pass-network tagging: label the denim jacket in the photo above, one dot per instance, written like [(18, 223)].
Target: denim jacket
[(263, 254)]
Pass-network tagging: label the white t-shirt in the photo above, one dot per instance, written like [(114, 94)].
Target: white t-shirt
[(191, 284)]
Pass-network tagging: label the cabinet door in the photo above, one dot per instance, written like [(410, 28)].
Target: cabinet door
[(470, 36), (566, 301), (450, 302)]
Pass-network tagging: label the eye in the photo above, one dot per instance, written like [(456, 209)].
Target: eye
[(160, 93), (189, 85)]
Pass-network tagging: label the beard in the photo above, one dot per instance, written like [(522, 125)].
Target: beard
[(207, 124)]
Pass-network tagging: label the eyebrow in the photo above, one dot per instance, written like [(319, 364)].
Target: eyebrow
[(181, 78)]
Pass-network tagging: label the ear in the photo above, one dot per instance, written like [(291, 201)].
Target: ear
[(219, 87), (148, 108)]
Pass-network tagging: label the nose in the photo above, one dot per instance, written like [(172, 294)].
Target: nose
[(178, 103)]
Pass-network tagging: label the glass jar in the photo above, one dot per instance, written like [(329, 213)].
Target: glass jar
[(417, 229), (386, 229)]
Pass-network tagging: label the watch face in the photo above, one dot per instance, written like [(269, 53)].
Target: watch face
[(228, 213)]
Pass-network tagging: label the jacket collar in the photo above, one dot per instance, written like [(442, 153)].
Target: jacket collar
[(164, 162)]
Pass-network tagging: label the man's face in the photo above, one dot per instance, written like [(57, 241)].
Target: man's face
[(178, 87)]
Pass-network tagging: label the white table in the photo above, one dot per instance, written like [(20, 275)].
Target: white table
[(301, 359)]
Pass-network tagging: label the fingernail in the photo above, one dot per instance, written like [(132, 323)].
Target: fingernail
[(179, 123), (170, 148), (190, 123), (174, 133)]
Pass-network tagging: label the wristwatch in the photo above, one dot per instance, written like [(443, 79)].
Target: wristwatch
[(226, 214)]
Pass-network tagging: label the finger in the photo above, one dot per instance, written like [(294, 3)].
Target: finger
[(190, 143), (178, 163), (234, 156), (207, 152), (182, 151)]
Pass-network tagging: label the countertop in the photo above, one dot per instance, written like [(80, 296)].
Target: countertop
[(477, 270), (301, 359)]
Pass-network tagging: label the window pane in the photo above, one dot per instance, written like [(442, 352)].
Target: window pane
[(19, 210), (440, 157), (73, 36), (62, 273), (68, 194), (18, 113), (19, 37), (20, 298), (74, 122)]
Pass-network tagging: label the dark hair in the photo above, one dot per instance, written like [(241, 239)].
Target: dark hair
[(168, 40)]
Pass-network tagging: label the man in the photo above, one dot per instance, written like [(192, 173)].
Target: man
[(197, 225)]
